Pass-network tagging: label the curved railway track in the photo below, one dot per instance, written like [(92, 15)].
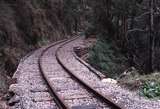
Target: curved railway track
[(68, 90)]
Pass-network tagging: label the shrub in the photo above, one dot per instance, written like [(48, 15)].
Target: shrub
[(151, 89), (105, 57)]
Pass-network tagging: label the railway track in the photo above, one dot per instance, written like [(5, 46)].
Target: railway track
[(67, 88), (53, 77)]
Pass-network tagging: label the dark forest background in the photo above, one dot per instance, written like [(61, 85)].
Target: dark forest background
[(127, 31)]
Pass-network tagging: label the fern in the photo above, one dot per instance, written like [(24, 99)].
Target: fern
[(151, 89)]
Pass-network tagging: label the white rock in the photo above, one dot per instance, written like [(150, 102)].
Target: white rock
[(109, 80)]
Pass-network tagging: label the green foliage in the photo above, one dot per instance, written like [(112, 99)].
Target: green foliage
[(148, 85), (115, 18), (106, 58), (151, 89), (151, 85)]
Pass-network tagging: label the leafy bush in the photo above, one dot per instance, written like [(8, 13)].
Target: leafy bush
[(105, 57), (151, 89)]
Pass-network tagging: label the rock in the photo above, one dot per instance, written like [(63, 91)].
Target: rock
[(109, 80)]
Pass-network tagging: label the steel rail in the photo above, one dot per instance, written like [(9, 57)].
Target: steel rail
[(106, 99), (58, 99), (96, 72)]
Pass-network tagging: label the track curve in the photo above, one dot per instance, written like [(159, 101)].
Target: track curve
[(74, 81), (56, 96), (106, 99), (71, 83)]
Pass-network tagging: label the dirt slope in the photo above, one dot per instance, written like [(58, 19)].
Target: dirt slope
[(25, 25)]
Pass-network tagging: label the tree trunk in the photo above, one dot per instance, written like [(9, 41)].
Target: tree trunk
[(75, 25), (151, 37)]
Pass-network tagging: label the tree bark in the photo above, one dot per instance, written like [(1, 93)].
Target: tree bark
[(151, 37)]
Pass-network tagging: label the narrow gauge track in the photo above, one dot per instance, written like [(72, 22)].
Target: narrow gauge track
[(69, 91)]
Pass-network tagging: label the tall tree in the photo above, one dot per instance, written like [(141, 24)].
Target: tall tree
[(151, 36)]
